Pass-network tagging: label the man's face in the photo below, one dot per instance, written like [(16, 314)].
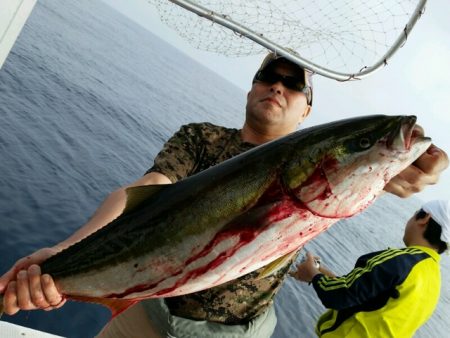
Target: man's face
[(415, 228), (276, 106)]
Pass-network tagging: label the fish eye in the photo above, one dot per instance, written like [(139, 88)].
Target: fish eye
[(360, 144), (365, 143)]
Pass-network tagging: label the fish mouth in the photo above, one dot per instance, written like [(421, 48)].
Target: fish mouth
[(406, 135)]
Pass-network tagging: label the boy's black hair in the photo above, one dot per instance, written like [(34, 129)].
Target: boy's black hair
[(433, 232)]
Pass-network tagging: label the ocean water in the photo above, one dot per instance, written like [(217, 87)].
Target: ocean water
[(87, 98)]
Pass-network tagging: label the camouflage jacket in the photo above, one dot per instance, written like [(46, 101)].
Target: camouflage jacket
[(196, 147)]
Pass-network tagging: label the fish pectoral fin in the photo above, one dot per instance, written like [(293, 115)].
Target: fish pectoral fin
[(116, 305), (276, 265), (137, 195)]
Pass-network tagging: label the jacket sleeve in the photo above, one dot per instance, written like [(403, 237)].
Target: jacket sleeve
[(371, 279)]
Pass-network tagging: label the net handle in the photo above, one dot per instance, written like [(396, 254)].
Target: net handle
[(227, 22)]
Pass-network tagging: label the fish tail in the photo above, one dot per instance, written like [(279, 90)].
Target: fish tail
[(116, 306)]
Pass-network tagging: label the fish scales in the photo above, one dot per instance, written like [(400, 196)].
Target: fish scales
[(239, 215)]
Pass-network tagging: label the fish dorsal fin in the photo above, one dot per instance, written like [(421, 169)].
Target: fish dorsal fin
[(276, 265), (139, 194)]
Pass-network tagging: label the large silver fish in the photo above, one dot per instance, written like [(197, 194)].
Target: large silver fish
[(238, 216)]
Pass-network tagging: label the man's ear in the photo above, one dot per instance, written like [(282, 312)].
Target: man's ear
[(423, 222), (305, 114), (307, 111)]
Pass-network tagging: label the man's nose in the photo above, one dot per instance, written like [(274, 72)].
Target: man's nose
[(277, 87)]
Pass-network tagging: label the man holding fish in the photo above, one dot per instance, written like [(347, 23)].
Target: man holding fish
[(279, 100)]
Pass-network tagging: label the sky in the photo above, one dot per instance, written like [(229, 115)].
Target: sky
[(415, 82)]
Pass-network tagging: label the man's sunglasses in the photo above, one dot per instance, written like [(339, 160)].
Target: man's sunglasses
[(290, 82)]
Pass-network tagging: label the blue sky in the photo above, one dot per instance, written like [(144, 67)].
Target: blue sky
[(416, 81)]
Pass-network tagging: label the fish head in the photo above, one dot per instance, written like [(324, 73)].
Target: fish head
[(349, 162)]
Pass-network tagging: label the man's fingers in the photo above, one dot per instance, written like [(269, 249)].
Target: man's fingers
[(310, 258), (23, 291), (37, 295), (423, 172), (54, 298), (410, 181), (10, 299), (6, 278), (433, 161), (10, 275), (61, 303), (414, 175), (398, 187), (31, 291)]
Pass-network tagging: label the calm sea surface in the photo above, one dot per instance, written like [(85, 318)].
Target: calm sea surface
[(87, 99)]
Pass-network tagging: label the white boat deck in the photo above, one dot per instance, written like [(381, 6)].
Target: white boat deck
[(8, 330), (13, 15)]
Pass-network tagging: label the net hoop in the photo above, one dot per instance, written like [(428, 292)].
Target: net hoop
[(292, 55)]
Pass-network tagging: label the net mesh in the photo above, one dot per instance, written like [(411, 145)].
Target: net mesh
[(342, 35)]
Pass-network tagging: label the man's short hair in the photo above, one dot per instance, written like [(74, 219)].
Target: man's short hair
[(273, 58)]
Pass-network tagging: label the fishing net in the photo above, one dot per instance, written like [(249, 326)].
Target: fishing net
[(344, 37)]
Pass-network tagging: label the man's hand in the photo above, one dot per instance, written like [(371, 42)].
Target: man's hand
[(308, 269), (25, 288), (424, 171)]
